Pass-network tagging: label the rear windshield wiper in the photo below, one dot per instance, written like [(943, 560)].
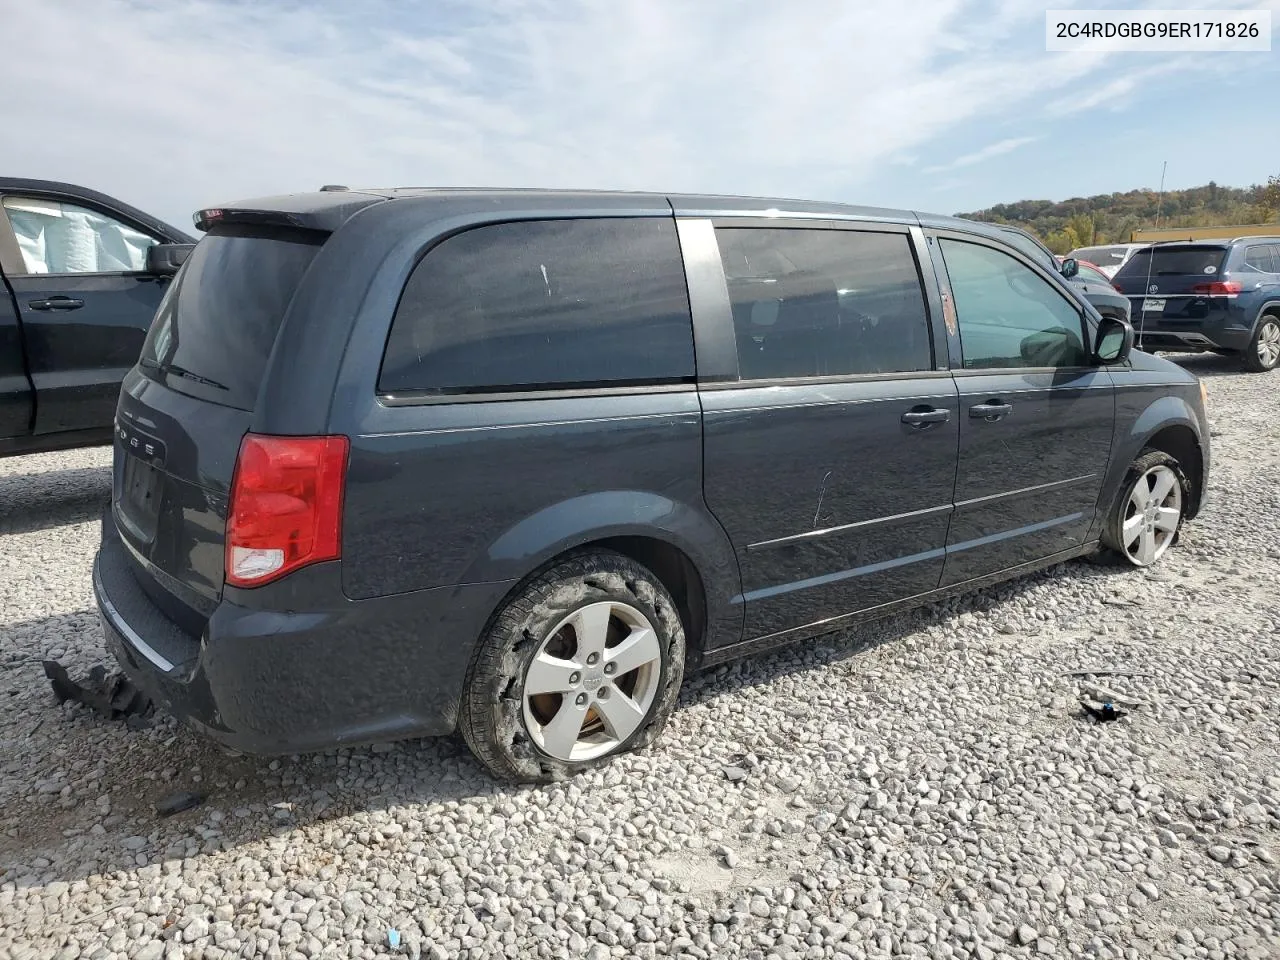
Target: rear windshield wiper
[(182, 372)]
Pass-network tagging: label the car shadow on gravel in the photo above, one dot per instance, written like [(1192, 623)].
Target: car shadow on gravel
[(827, 649), (117, 775), (1206, 365), (37, 501)]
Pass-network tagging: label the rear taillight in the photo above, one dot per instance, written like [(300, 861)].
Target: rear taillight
[(1119, 289), (286, 506), (1219, 288)]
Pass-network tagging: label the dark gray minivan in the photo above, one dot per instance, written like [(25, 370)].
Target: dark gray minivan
[(399, 462)]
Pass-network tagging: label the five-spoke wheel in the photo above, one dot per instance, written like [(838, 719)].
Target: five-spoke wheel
[(1148, 514), (592, 681), (583, 662), (1152, 516)]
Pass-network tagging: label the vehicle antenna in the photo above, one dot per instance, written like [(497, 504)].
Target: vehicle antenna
[(1151, 257)]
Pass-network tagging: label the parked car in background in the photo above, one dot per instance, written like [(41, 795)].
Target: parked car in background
[(1107, 258), (506, 461), (1219, 295), (1096, 287), (81, 275), (1102, 296)]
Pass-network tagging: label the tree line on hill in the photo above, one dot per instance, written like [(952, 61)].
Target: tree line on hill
[(1111, 217)]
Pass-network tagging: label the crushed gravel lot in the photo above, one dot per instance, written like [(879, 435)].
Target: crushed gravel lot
[(926, 786)]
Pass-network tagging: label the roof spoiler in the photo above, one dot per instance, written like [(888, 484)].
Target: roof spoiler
[(323, 211), (211, 217)]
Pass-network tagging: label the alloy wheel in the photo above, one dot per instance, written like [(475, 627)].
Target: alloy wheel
[(1269, 343), (592, 681), (1152, 515)]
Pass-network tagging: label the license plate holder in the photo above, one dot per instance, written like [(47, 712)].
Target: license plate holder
[(1153, 305), (140, 487)]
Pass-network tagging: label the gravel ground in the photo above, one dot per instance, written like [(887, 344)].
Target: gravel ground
[(924, 787)]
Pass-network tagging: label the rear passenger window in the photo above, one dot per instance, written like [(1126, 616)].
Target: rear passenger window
[(820, 303), (1009, 315), (1262, 259), (554, 304)]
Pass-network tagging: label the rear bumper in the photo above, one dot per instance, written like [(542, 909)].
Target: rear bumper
[(1203, 324), (267, 682)]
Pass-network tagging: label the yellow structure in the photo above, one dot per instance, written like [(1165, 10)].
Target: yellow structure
[(1206, 233)]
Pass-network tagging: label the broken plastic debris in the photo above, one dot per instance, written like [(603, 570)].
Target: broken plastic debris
[(393, 938), (113, 697), (1101, 694), (1102, 712)]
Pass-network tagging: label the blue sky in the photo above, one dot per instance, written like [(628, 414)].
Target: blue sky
[(940, 105)]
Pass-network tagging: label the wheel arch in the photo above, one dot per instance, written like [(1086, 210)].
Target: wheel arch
[(683, 546), (1166, 422), (1182, 443), (1270, 308)]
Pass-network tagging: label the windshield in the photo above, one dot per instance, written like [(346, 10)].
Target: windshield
[(216, 325), (1175, 261)]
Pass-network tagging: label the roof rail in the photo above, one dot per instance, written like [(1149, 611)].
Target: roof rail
[(1256, 236)]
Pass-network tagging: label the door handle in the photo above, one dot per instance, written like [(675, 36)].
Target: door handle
[(923, 418), (993, 410), (56, 303)]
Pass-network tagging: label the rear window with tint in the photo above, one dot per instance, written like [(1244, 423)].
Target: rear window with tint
[(544, 304), (1264, 259), (1101, 256), (1174, 262), (216, 325)]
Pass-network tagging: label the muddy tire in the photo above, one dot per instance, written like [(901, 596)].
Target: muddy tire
[(1146, 518), (594, 640)]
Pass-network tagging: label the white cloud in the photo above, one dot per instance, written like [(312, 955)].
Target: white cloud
[(997, 149), (187, 103)]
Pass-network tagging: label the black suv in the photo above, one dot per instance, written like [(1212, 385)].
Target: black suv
[(1219, 295), (81, 275), (398, 462)]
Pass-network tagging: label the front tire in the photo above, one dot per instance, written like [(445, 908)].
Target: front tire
[(1263, 352), (584, 663), (1147, 515)]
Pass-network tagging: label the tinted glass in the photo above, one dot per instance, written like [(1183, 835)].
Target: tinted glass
[(216, 325), (1261, 259), (1174, 261), (1029, 247), (818, 303), (544, 304), (1102, 256), (1090, 274), (61, 238), (1008, 315)]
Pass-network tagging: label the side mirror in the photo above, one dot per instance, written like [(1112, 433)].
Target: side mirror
[(1115, 341), (1070, 267), (164, 259)]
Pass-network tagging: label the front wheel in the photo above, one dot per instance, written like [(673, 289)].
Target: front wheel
[(1263, 353), (1147, 515), (584, 663)]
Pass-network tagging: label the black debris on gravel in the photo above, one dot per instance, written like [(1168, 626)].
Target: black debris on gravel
[(178, 802), (112, 696)]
